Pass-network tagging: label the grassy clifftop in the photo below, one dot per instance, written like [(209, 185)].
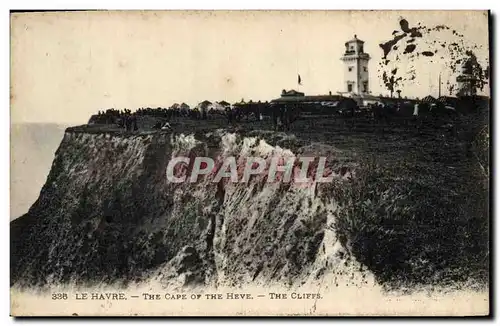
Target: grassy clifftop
[(415, 211)]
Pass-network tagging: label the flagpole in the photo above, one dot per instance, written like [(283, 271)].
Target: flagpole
[(439, 85)]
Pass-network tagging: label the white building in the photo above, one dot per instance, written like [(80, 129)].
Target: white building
[(356, 68)]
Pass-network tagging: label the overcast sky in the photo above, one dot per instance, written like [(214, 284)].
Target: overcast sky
[(66, 66)]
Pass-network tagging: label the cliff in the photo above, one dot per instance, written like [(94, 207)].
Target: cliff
[(108, 214), (402, 209)]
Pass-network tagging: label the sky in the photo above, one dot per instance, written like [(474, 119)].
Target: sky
[(67, 66)]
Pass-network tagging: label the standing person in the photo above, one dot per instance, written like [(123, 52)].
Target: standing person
[(285, 118), (204, 113), (134, 122), (415, 110), (275, 116), (126, 118), (229, 115)]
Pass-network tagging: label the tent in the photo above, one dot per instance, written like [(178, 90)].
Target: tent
[(429, 100)]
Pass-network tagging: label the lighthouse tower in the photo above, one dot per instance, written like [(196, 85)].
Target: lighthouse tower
[(355, 67)]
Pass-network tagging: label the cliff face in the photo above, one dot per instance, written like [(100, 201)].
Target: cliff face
[(411, 207), (108, 214)]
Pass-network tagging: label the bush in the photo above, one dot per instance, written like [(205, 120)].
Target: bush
[(408, 229)]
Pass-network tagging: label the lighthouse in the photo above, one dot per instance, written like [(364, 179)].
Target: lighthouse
[(355, 67)]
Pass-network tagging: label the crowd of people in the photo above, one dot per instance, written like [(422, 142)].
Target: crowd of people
[(123, 118), (127, 119), (282, 115)]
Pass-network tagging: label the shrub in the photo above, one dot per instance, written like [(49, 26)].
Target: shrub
[(409, 229)]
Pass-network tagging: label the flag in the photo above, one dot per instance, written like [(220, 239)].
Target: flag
[(299, 80)]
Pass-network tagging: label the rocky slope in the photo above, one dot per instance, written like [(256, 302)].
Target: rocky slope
[(108, 214), (408, 206)]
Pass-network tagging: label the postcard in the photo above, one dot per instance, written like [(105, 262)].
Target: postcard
[(250, 163)]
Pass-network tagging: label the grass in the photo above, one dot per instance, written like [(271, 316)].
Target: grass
[(420, 222), (416, 212)]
